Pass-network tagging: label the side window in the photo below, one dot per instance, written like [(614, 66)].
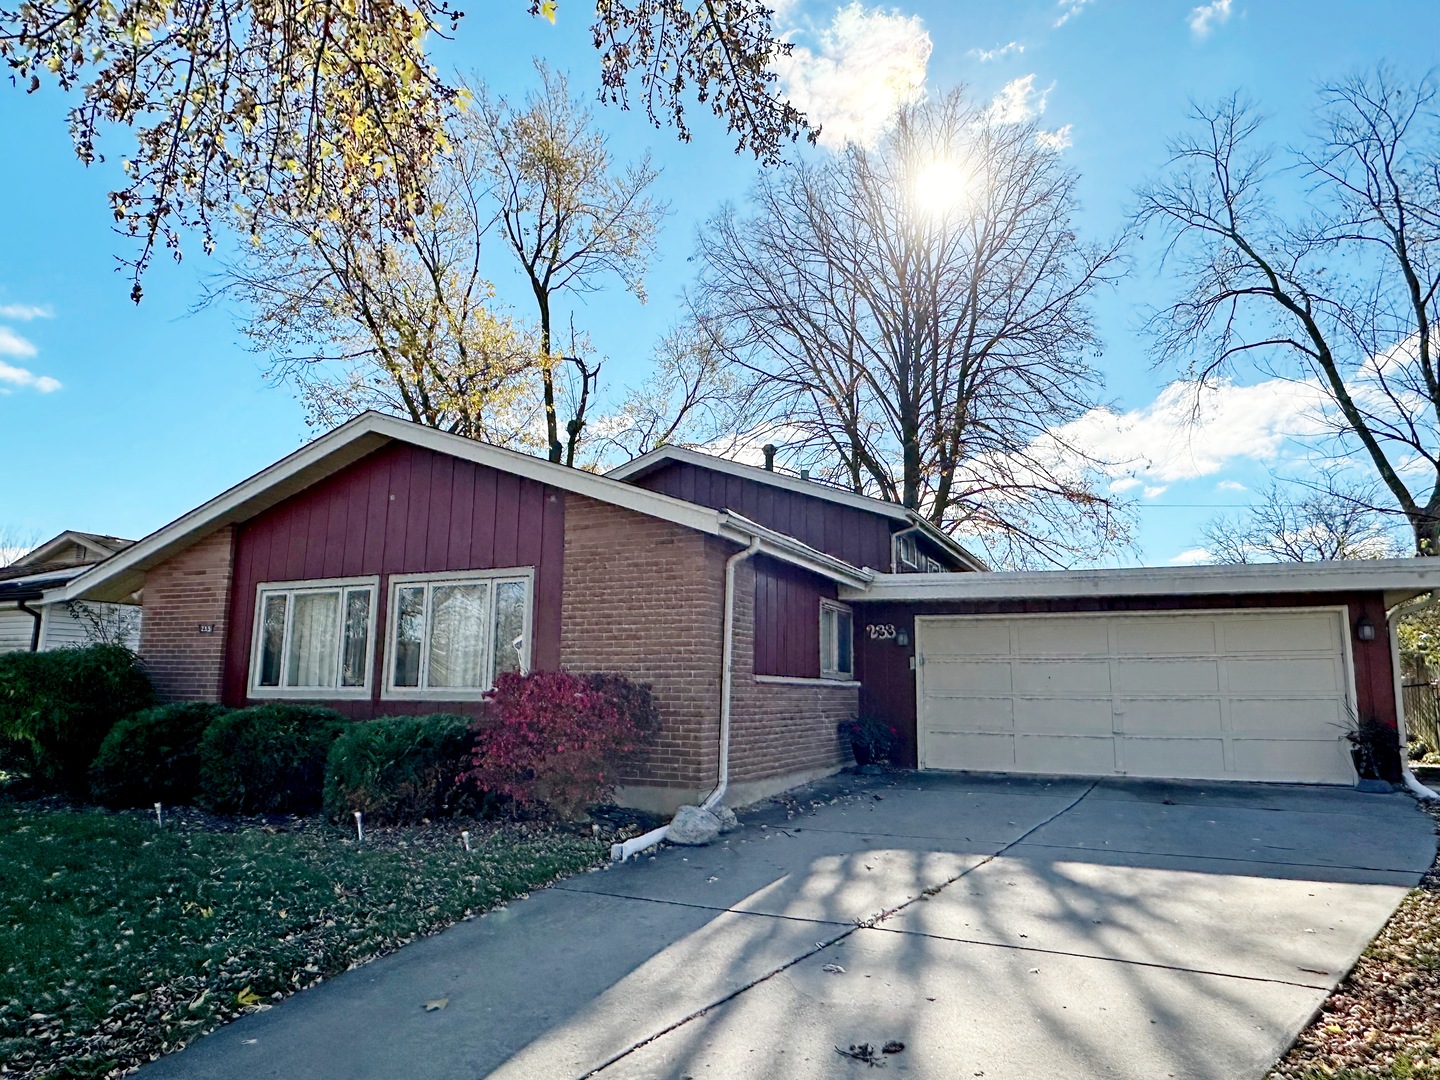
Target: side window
[(837, 641)]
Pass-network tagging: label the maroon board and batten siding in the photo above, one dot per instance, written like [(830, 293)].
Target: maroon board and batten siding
[(401, 510), (787, 619), (858, 536), (888, 680)]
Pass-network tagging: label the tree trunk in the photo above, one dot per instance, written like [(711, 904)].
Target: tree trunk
[(552, 423), (1425, 522)]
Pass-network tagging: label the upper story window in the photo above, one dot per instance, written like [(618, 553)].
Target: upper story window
[(450, 634), (314, 638), (837, 642), (907, 555)]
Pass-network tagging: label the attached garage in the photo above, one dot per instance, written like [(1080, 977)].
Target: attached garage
[(1232, 695)]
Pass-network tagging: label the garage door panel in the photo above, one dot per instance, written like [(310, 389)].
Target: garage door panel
[(1297, 632), (1306, 676), (1186, 759), (1164, 676), (1062, 677), (1255, 695), (967, 750), (1166, 637), (957, 714), (1147, 717), (1287, 718), (1065, 754), (1077, 716)]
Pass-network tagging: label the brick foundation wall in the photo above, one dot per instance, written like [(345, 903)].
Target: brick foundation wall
[(780, 729), (646, 597), (188, 590)]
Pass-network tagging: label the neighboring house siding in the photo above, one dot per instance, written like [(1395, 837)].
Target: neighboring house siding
[(187, 591), (858, 537), (889, 680), (787, 619), (16, 629), (646, 597), (62, 629), (402, 510), (781, 734)]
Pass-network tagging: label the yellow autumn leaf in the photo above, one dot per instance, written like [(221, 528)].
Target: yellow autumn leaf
[(247, 997), (547, 10)]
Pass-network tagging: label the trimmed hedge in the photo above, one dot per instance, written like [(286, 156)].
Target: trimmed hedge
[(153, 756), (57, 707), (399, 769), (267, 759)]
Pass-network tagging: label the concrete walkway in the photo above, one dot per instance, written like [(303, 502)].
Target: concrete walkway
[(1012, 928)]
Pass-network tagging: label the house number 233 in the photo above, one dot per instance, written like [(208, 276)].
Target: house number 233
[(880, 631)]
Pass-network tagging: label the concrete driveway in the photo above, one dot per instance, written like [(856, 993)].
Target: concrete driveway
[(998, 927)]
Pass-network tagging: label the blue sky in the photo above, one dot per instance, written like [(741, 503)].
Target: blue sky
[(158, 408)]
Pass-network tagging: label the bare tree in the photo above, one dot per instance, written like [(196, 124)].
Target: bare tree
[(16, 543), (569, 216), (1343, 295), (914, 317), (410, 327), (1297, 521)]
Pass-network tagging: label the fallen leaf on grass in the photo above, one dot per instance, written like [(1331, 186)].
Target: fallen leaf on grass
[(247, 997)]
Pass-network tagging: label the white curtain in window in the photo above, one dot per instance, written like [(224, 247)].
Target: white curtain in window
[(314, 640), (459, 617)]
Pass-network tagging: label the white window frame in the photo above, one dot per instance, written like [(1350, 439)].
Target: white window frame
[(828, 668), (291, 589), (389, 691), (902, 541)]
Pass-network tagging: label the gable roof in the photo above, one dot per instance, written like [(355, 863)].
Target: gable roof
[(642, 466), (119, 577), (99, 545)]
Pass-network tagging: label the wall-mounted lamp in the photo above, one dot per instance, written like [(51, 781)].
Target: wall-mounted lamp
[(902, 638), (1364, 628)]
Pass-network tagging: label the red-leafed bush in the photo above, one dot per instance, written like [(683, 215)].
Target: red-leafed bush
[(556, 738)]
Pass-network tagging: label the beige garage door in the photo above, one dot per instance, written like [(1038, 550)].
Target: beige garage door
[(1229, 695)]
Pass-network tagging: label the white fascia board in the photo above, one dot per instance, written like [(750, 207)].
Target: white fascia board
[(763, 476), (787, 549), (123, 573), (1392, 576)]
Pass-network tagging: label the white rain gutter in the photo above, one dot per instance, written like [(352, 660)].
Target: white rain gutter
[(621, 852), (1392, 617)]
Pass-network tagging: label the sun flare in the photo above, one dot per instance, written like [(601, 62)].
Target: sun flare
[(940, 187)]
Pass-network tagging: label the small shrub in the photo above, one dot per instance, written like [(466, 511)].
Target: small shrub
[(1375, 747), (1418, 750), (267, 759), (57, 707), (153, 755), (873, 741), (399, 769), (559, 738)]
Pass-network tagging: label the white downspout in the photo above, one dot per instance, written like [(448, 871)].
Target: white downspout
[(1391, 619), (621, 852)]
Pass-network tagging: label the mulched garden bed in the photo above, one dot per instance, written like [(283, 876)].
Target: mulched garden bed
[(121, 940), (1383, 1021)]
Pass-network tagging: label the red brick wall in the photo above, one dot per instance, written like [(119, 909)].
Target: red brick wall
[(186, 591), (646, 597), (781, 729)]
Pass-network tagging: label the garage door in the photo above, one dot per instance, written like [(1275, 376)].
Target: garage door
[(1228, 695)]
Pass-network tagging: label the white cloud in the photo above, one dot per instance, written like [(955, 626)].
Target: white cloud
[(866, 64), (1056, 140), (1071, 8), (25, 312), (987, 55), (1230, 485), (1122, 484), (1179, 437), (1191, 557), (12, 344), (1018, 101), (1206, 17), (25, 379), (1154, 491)]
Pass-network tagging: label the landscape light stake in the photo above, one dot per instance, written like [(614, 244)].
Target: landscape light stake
[(359, 828), (465, 838), (159, 819)]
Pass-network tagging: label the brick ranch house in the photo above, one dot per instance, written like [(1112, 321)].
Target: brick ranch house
[(389, 568)]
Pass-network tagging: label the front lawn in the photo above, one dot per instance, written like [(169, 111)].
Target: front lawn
[(1383, 1021), (120, 941)]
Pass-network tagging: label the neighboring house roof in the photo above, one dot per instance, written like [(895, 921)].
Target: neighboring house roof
[(647, 463), (120, 576), (93, 547), (1399, 579), (32, 585)]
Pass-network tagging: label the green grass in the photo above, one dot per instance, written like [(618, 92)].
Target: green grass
[(120, 941)]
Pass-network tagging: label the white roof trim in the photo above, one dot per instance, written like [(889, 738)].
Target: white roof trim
[(123, 573), (38, 553), (814, 489), (1391, 576)]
